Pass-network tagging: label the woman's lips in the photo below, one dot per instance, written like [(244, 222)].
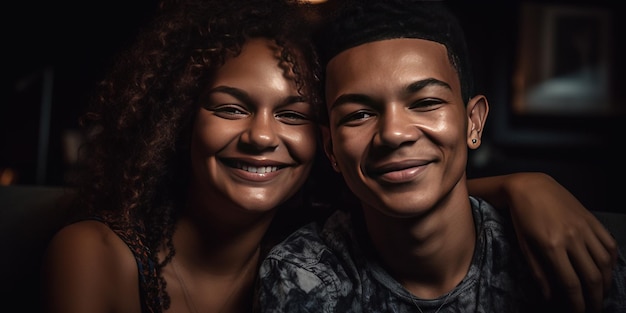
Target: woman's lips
[(254, 172)]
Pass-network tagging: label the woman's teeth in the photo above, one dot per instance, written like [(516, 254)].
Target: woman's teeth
[(259, 170)]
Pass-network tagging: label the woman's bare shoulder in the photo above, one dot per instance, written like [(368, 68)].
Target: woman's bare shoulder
[(86, 260), (88, 239)]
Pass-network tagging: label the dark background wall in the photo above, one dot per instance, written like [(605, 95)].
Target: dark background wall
[(53, 55), (582, 151)]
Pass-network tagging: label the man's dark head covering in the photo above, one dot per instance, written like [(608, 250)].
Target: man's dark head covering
[(356, 22)]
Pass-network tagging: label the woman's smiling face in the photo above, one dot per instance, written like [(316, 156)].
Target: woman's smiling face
[(254, 137)]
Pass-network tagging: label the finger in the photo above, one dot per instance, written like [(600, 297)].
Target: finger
[(604, 252), (604, 235), (590, 275), (568, 282), (604, 260), (537, 270)]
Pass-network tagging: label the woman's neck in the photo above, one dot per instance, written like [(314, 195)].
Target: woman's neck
[(214, 267), (215, 246)]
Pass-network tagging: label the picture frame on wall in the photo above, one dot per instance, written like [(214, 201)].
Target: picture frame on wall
[(564, 61)]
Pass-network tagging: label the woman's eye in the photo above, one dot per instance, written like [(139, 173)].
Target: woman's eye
[(293, 117), (229, 111)]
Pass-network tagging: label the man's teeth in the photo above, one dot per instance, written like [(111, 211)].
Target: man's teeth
[(259, 170)]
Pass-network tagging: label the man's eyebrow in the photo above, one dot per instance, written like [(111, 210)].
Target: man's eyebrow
[(411, 88), (351, 97), (421, 84)]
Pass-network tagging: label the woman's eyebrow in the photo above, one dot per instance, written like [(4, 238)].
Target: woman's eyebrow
[(235, 92), (246, 98)]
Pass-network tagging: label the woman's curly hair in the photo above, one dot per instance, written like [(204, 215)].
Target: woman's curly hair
[(136, 160)]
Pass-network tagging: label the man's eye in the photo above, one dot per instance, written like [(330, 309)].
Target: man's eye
[(356, 117), (426, 104), (360, 116)]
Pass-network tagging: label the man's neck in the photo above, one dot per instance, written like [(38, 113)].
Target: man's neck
[(430, 254)]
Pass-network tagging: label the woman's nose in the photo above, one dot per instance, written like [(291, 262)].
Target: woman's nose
[(261, 133)]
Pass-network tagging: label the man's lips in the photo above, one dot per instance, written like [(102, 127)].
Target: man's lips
[(380, 169), (397, 172)]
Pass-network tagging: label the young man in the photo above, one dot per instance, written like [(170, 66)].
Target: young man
[(402, 115)]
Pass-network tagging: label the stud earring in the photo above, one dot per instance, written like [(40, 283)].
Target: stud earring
[(474, 141)]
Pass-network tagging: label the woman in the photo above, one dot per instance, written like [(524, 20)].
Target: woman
[(203, 131)]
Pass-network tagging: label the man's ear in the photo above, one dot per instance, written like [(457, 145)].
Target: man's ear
[(328, 147), (477, 111)]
